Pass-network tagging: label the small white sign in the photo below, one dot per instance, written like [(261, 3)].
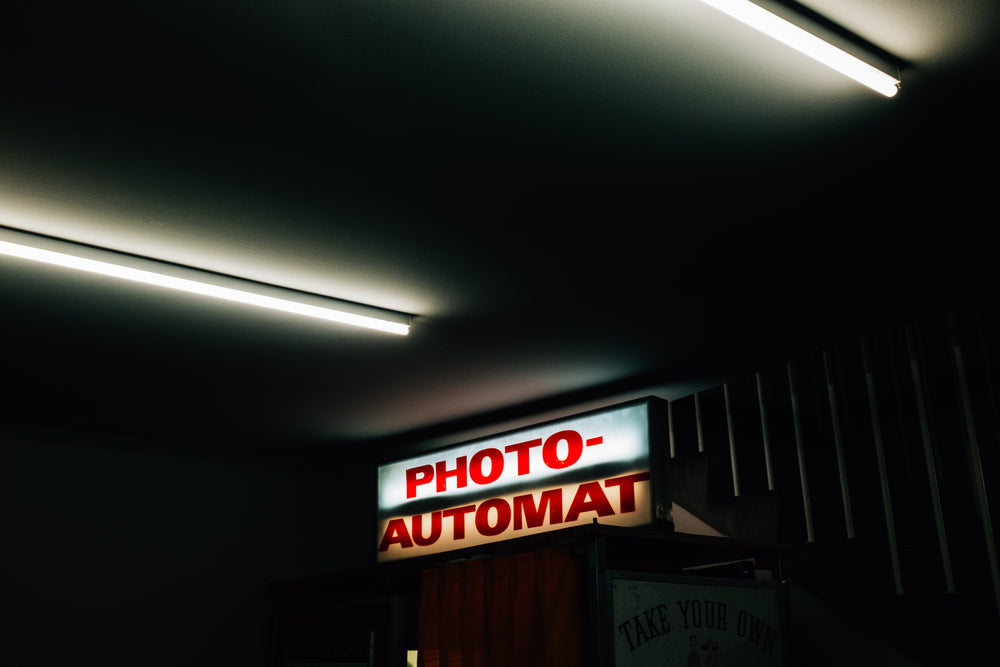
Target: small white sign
[(696, 623)]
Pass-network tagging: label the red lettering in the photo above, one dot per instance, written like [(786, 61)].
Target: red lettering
[(483, 517), (626, 489), (476, 466), (457, 515), (417, 476), (550, 450), (589, 498), (396, 533), (534, 517), (418, 529), (523, 450), (494, 517), (459, 473)]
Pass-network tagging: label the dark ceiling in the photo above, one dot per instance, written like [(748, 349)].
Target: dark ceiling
[(578, 200)]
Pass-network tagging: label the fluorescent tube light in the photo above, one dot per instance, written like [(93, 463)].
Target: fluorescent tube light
[(790, 34), (48, 250)]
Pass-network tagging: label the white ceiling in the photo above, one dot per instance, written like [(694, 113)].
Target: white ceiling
[(578, 199)]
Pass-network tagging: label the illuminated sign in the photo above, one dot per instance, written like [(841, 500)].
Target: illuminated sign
[(562, 473)]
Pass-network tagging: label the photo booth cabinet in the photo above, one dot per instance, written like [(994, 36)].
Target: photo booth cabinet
[(552, 545)]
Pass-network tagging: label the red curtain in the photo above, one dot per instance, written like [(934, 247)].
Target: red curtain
[(522, 610)]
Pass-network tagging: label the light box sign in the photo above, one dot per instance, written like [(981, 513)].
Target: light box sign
[(547, 477)]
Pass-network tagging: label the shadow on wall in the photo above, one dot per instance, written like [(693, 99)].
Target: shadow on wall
[(822, 636), (116, 555)]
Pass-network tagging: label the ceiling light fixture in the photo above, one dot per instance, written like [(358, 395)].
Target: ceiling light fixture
[(59, 252), (805, 42)]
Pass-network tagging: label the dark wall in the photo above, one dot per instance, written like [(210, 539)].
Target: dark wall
[(115, 553)]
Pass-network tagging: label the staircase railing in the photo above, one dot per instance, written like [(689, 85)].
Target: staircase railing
[(886, 447)]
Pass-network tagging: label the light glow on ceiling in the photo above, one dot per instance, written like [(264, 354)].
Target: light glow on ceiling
[(66, 254), (808, 44)]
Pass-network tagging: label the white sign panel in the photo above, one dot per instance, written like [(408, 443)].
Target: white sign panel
[(564, 473), (708, 624)]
